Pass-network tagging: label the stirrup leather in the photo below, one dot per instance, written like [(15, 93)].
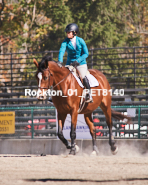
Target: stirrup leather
[(89, 98)]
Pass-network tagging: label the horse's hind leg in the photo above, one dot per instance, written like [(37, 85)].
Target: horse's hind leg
[(89, 121), (61, 120), (107, 112)]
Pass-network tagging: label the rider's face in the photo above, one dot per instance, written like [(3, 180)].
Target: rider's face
[(70, 35)]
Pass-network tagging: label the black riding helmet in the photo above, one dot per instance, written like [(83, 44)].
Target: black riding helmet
[(72, 27)]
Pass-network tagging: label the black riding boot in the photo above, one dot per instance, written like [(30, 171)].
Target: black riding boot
[(87, 86)]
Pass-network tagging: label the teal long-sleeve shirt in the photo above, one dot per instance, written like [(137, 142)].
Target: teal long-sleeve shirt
[(79, 54)]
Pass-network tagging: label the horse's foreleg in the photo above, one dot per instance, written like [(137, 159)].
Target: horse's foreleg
[(61, 120), (73, 137), (89, 121), (61, 137), (74, 116)]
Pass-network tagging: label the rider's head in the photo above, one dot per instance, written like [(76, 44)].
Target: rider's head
[(71, 30)]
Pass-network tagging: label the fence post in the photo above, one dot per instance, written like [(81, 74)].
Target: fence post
[(32, 125), (134, 56), (139, 121), (52, 55), (11, 72), (91, 58)]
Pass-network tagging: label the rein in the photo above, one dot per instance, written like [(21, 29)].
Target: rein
[(61, 80)]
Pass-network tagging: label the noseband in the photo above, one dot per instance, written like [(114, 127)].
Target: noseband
[(50, 74)]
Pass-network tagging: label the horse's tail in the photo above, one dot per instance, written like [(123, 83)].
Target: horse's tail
[(120, 116)]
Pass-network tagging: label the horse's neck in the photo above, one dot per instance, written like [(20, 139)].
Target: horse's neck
[(58, 75)]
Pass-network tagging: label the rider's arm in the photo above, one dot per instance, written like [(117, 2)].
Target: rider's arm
[(84, 52), (62, 51)]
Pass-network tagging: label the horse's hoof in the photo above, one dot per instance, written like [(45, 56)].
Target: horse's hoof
[(96, 150), (77, 148), (94, 153), (72, 151), (114, 152), (43, 154)]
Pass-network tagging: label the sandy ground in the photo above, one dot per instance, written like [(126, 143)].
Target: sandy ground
[(72, 170)]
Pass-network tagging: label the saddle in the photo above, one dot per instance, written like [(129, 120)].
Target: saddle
[(93, 82), (75, 71)]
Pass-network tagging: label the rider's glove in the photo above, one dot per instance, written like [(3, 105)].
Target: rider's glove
[(59, 64), (75, 64)]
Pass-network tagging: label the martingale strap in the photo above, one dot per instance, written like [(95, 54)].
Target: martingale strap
[(82, 102)]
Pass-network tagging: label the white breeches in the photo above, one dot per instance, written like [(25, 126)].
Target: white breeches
[(82, 70)]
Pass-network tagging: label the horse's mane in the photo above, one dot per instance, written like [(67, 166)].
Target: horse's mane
[(44, 62)]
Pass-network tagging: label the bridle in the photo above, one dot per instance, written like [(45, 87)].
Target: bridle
[(50, 74)]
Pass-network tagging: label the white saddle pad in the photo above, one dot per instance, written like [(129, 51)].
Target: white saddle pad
[(93, 82)]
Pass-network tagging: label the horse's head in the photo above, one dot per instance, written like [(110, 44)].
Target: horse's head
[(43, 77)]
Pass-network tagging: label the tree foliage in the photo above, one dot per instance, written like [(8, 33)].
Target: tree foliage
[(34, 25)]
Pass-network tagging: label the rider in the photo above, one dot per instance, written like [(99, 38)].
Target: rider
[(77, 54)]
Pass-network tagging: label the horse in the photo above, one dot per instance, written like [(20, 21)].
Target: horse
[(50, 74)]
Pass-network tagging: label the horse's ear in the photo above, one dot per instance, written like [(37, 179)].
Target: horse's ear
[(36, 63), (46, 64)]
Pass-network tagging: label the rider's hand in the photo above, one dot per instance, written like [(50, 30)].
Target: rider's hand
[(59, 64), (75, 64)]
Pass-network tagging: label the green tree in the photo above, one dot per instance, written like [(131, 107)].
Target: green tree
[(35, 25), (105, 23)]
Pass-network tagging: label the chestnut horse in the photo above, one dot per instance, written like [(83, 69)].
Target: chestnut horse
[(50, 74)]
